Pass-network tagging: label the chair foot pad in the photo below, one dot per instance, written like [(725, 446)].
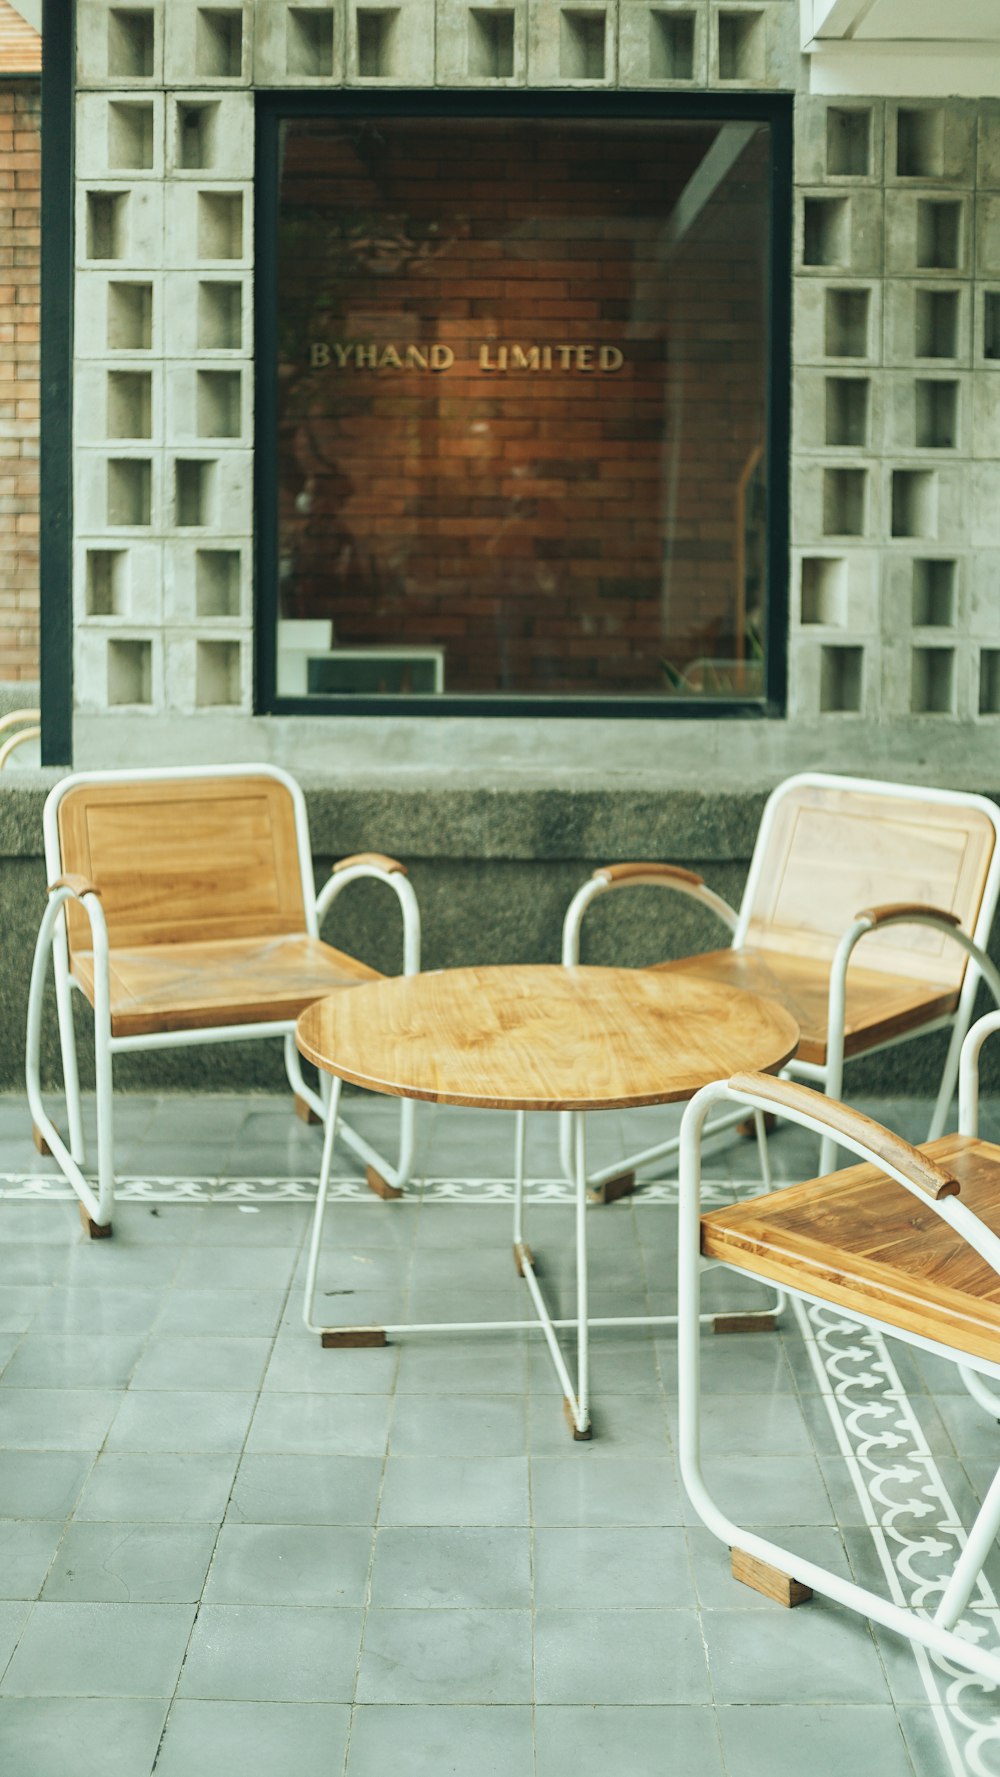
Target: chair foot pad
[(748, 1128), (381, 1186), (622, 1185), (523, 1256), (40, 1141), (305, 1111), (744, 1323), (581, 1437), (768, 1580), (94, 1230), (351, 1338)]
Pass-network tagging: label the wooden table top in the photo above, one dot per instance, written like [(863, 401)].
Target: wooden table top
[(544, 1038)]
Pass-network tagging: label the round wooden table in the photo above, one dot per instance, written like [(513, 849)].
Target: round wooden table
[(534, 1038)]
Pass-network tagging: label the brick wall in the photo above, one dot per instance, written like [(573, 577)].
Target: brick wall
[(20, 176), (559, 529)]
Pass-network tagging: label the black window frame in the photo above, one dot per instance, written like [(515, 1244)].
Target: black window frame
[(277, 107)]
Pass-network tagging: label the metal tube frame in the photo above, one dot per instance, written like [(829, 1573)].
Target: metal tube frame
[(936, 1631)]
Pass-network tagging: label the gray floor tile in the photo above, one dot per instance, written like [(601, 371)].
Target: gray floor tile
[(446, 1656), (455, 1490), (612, 1569), (254, 1740), (647, 1742), (815, 1655), (90, 1736), (74, 1360), (763, 1740), (762, 1425), (51, 1220), (635, 1425), (162, 1419), (299, 1365), (115, 1309), (927, 1732), (202, 1362), (27, 1547), (251, 1653), (41, 1483), (124, 1563), (771, 1490), (713, 1577), (13, 1616), (290, 1564), (619, 1656), (57, 1418), (468, 1568), (236, 1268), (425, 1741), (20, 1304), (100, 1650), (617, 1491), (279, 1489), (239, 1313), (358, 1426), (458, 1425), (158, 1488), (485, 1363)]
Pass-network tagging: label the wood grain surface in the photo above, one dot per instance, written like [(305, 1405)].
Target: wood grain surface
[(544, 1037), (860, 1240)]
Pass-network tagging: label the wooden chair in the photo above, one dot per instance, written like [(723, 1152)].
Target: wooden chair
[(924, 1271), (182, 907), (911, 875)]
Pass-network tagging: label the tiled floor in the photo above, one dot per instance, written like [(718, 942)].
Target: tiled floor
[(223, 1550)]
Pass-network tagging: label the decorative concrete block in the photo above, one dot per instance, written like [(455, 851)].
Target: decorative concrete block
[(923, 595), (117, 315), (985, 416), (119, 136), (121, 671), (119, 402), (988, 236), (119, 45), (837, 323), (391, 45), (930, 140), (662, 45), (984, 594), (116, 583), (839, 141), (838, 231), (833, 678), (118, 489), (210, 404), (835, 589), (572, 44), (754, 44), (927, 324), (209, 135), (986, 328), (925, 503), (208, 671), (482, 45), (209, 582), (210, 225), (928, 232), (120, 225), (837, 410), (209, 494), (984, 503), (834, 502), (929, 412), (208, 314), (299, 44), (988, 146), (207, 43)]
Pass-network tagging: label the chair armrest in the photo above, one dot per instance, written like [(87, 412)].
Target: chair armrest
[(77, 885), (375, 860), (828, 1114), (617, 875), (906, 910), (638, 875)]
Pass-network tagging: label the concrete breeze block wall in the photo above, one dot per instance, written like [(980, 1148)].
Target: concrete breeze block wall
[(895, 471)]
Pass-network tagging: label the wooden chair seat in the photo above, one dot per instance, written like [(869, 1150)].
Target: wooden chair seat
[(880, 1006), (176, 987), (872, 1247)]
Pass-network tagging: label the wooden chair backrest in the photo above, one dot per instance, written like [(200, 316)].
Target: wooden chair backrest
[(184, 860), (834, 851)]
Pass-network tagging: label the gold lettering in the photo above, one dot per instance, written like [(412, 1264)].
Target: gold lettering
[(319, 354), (565, 356), (546, 357), (442, 357), (340, 355), (366, 357), (484, 358), (390, 359), (524, 360), (610, 358), (415, 358), (585, 357)]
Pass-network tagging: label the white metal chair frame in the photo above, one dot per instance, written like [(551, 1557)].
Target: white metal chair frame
[(829, 1076), (936, 1631), (52, 940), (17, 734)]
